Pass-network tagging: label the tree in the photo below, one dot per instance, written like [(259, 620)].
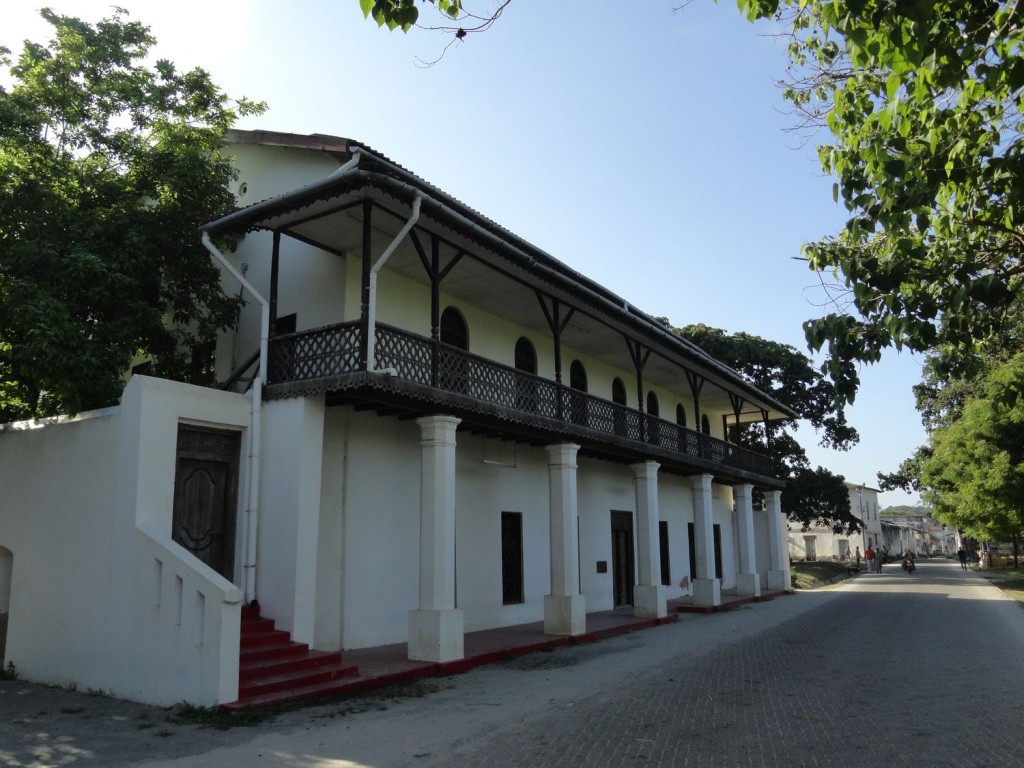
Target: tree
[(106, 169), (922, 100), (974, 475), (813, 496)]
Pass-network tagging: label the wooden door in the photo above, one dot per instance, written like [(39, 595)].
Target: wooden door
[(623, 566), (205, 495)]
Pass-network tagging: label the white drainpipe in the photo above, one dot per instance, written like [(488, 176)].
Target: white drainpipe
[(371, 313), (252, 492)]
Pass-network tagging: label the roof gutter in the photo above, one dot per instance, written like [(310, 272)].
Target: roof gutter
[(252, 488), (371, 312), (409, 184)]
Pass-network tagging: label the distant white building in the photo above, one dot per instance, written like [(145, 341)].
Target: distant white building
[(820, 543), (921, 535)]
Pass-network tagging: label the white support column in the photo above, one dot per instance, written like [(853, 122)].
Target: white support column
[(565, 607), (778, 574), (707, 590), (748, 583), (436, 629), (649, 598), (288, 540)]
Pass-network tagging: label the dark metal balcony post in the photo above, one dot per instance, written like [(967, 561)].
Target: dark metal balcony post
[(364, 293), (640, 358), (696, 385), (275, 269), (737, 407), (435, 309), (557, 324)]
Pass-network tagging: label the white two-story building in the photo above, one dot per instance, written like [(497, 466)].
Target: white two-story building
[(425, 426)]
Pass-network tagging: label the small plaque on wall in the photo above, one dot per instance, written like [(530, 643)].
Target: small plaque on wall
[(602, 566)]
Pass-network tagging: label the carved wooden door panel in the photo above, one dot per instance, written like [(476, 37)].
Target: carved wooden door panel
[(205, 495)]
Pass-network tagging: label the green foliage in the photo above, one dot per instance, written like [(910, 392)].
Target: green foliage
[(816, 573), (107, 168), (812, 496), (402, 14), (974, 477), (905, 510), (922, 100)]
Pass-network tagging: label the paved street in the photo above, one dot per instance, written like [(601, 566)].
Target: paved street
[(887, 670)]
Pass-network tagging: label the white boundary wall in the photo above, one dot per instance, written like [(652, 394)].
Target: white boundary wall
[(100, 597)]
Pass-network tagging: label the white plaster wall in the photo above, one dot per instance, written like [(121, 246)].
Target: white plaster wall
[(57, 510), (99, 595), (483, 491), (381, 529), (722, 514), (675, 499), (330, 561), (602, 487), (312, 282), (762, 546), (367, 556), (267, 171), (290, 516)]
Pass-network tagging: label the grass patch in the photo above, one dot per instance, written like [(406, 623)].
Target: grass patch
[(1013, 588), (1010, 580), (9, 672), (217, 718), (818, 573)]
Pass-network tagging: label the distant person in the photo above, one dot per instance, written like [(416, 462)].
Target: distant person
[(869, 556), (848, 553), (858, 557), (962, 554)]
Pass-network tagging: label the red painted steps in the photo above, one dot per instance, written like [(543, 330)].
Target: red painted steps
[(273, 669)]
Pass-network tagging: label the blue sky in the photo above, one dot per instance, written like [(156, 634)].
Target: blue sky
[(644, 147)]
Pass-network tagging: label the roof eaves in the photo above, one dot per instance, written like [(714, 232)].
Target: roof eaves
[(567, 278)]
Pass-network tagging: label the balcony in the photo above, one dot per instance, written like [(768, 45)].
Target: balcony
[(420, 375)]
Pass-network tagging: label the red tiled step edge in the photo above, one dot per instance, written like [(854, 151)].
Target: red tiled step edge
[(416, 670), (273, 669), (728, 603)]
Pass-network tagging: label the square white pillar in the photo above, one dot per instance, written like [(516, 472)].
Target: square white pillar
[(706, 588), (778, 575), (565, 615), (565, 607), (436, 629), (748, 583), (436, 635), (649, 598), (289, 525)]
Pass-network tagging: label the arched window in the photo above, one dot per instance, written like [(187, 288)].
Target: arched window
[(619, 398), (680, 415), (526, 387), (652, 404), (578, 376), (577, 404), (453, 373), (454, 330), (705, 425), (526, 356), (618, 391)]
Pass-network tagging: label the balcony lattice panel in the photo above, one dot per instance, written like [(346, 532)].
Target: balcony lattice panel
[(317, 354)]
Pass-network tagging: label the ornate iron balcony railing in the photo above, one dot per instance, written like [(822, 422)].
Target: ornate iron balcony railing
[(331, 353)]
